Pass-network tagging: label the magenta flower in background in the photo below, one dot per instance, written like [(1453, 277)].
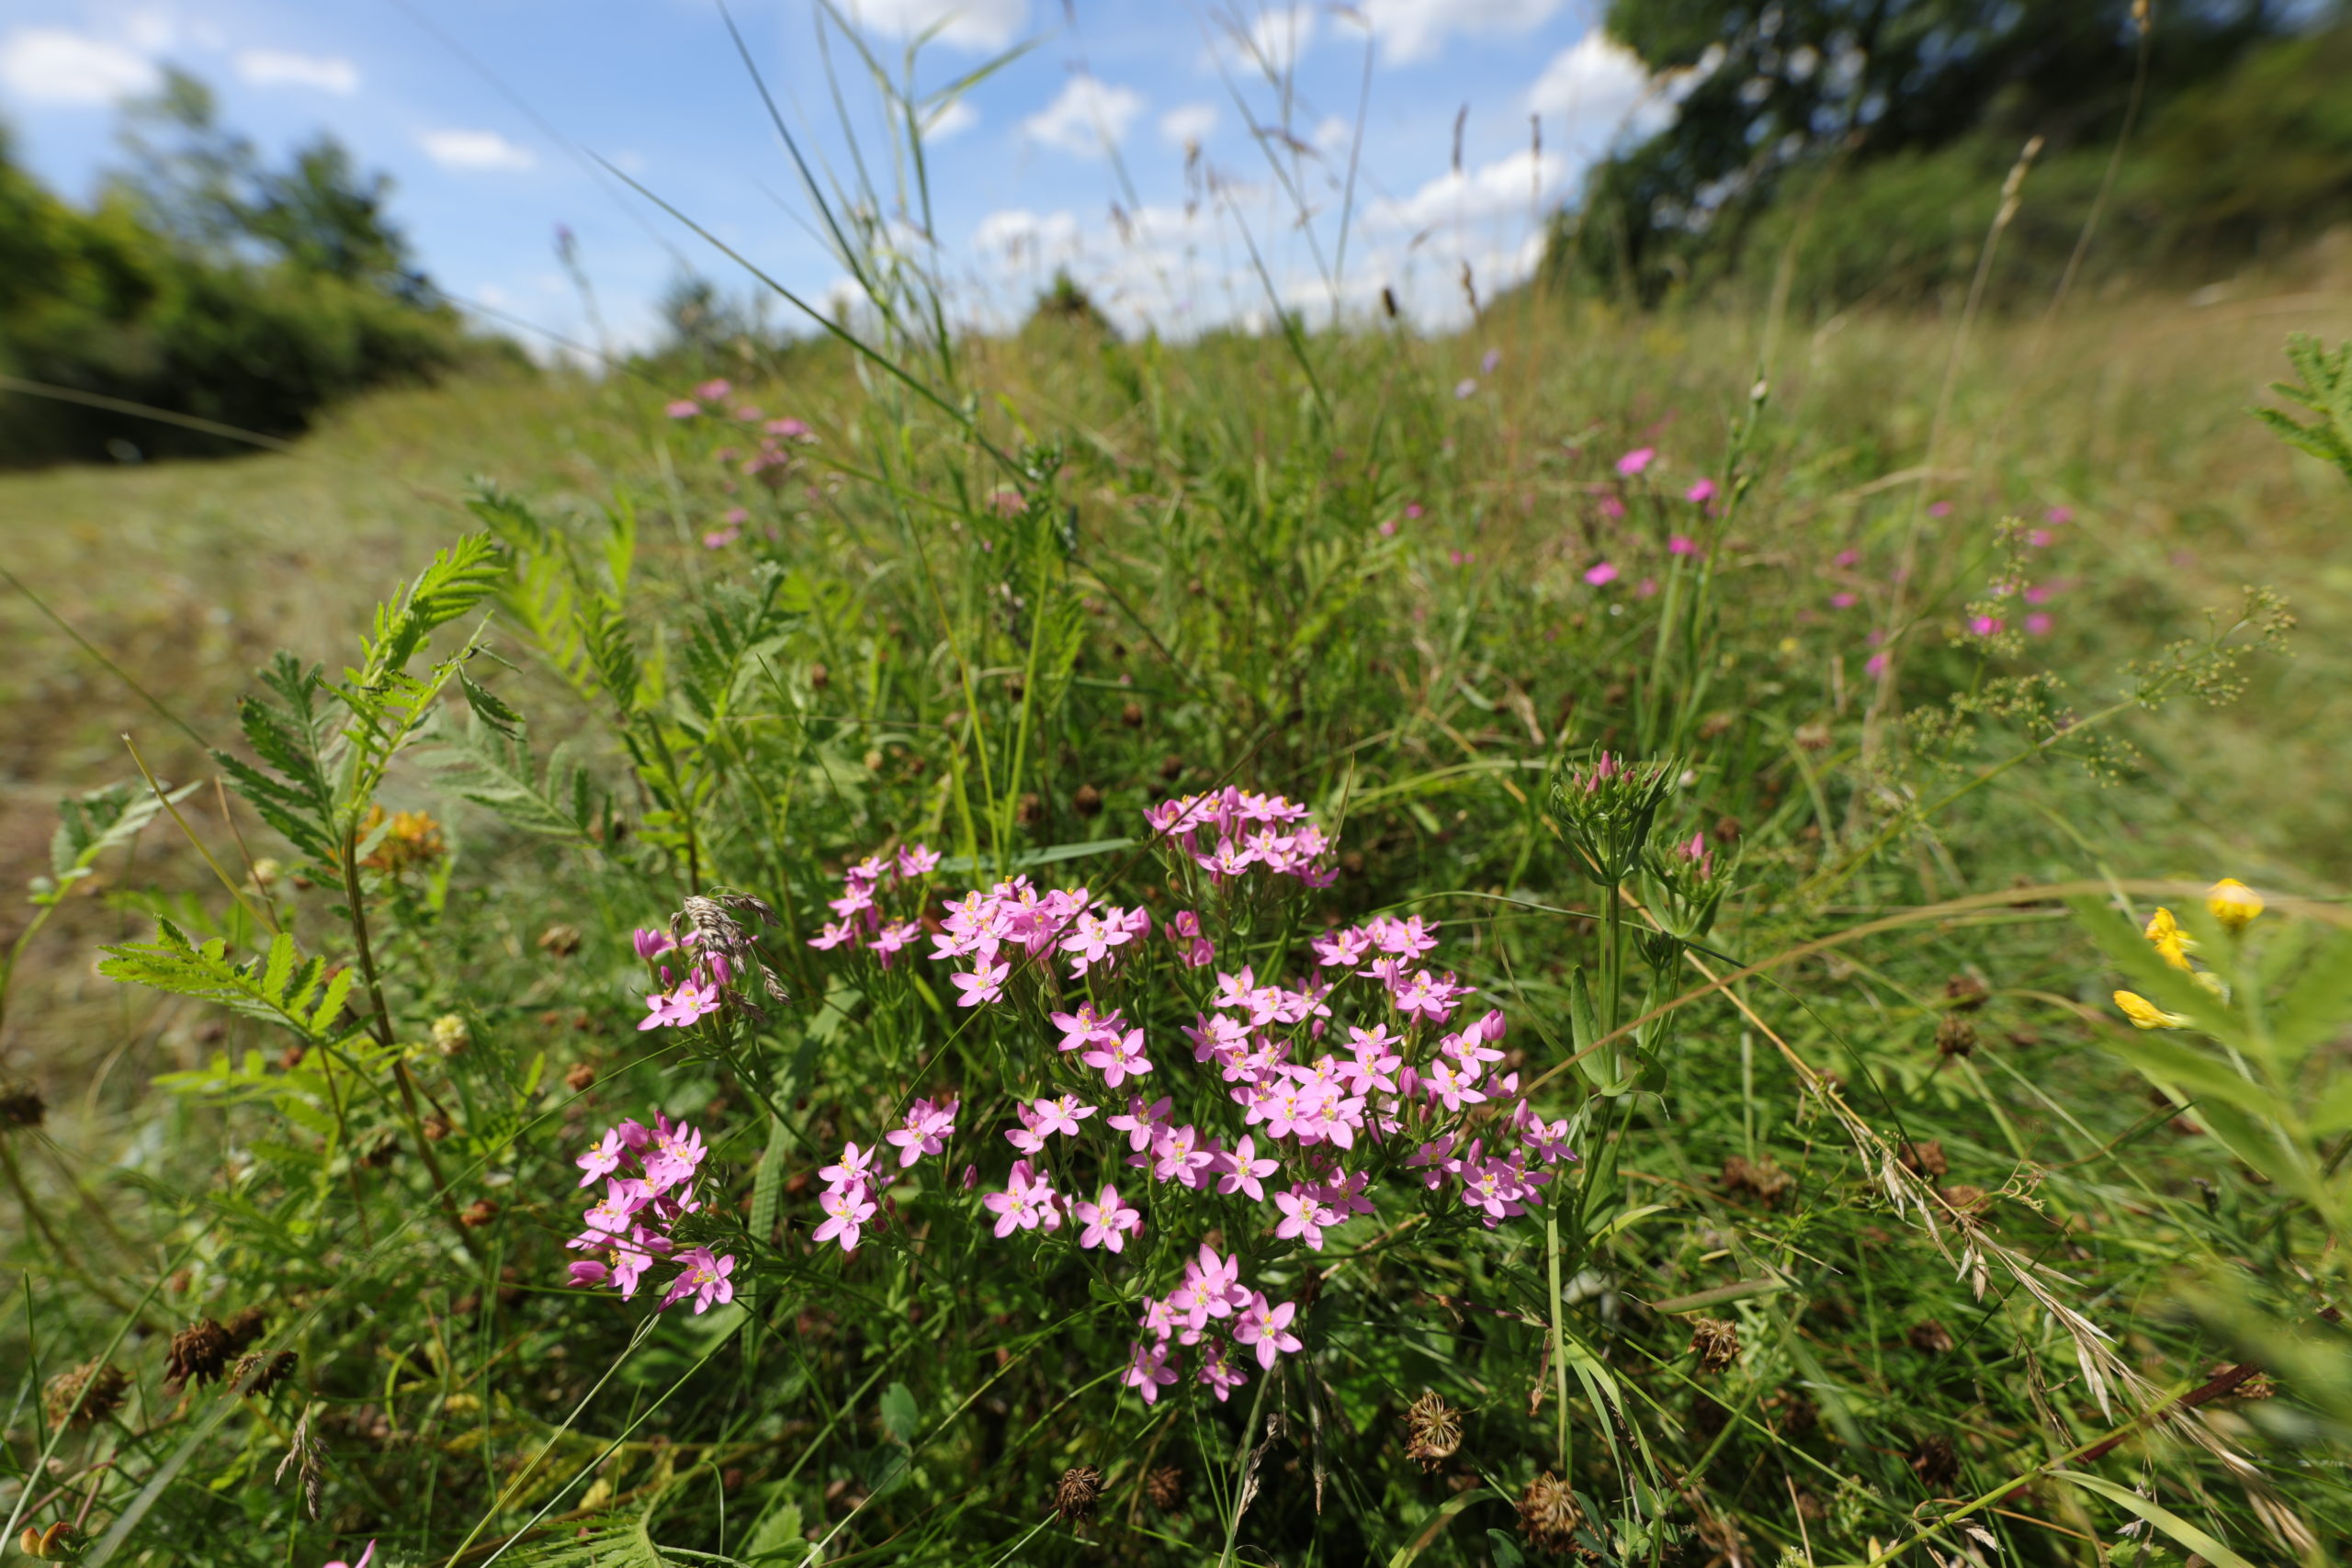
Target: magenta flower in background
[(1985, 626), (1875, 665), (704, 1279), (750, 413), (1489, 360), (2040, 539), (681, 408), (1939, 509), (1601, 575), (1847, 558), (1412, 511), (1635, 461), (916, 860), (719, 538), (1612, 508), (1645, 589), (1701, 493), (1465, 388), (1220, 1374), (1681, 545), (2038, 624), (2059, 516), (712, 391), (1844, 601)]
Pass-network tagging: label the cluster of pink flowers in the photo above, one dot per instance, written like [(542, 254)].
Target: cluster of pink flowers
[(1013, 918), (1228, 831), (1305, 1089), (1210, 1305), (861, 921), (681, 1002), (630, 1227)]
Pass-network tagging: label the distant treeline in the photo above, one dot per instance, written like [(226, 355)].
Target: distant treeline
[(1865, 143), (204, 281)]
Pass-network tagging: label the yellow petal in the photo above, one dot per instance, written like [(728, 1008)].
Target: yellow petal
[(2145, 1014), (2232, 903), (2171, 942)]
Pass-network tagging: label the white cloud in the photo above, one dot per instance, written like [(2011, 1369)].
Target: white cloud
[(1333, 134), (1086, 116), (1024, 238), (1509, 186), (952, 118), (51, 65), (966, 24), (476, 150), (1416, 29), (1188, 124), (277, 68), (1272, 41), (1605, 94)]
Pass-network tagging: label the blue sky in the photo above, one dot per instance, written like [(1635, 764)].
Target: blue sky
[(489, 114)]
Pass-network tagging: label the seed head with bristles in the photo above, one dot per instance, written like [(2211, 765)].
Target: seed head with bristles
[(1075, 1493), (85, 1396), (1433, 1431), (1549, 1516), (711, 920), (1715, 1342), (199, 1353), (1164, 1488)]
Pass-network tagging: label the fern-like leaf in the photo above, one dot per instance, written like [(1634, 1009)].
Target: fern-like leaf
[(458, 579), (2326, 390), (494, 769), (280, 988)]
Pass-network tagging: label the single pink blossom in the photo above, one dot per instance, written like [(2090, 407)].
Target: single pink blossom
[(1635, 461), (1148, 1371), (2038, 624), (1681, 545), (1243, 1172), (1602, 575), (1701, 493), (704, 1279), (681, 408), (1106, 1220), (985, 984), (1266, 1327), (1465, 388), (714, 390)]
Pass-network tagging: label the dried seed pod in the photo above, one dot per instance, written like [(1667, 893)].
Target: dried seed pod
[(1433, 1430), (257, 1374), (1936, 1462), (581, 1078), (244, 1326), (1087, 802), (1965, 993), (21, 1106), (1955, 1036), (85, 1396), (1164, 1488), (1929, 1338), (199, 1354), (1132, 715), (477, 1214), (1075, 1493), (1549, 1516), (559, 940), (1923, 1159), (1715, 1342)]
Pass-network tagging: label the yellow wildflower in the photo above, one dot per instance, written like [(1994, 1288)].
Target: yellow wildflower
[(2233, 903), (2145, 1014), (2168, 939)]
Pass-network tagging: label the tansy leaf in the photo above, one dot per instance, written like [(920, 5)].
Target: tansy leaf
[(2318, 1005)]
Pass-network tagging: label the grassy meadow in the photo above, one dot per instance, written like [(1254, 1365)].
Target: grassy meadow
[(1886, 1237)]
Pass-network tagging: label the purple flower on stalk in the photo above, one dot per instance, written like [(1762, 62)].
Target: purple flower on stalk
[(652, 944), (1025, 1203), (984, 983), (1242, 1171), (1701, 493), (604, 1160), (365, 1558), (676, 1151), (705, 1279)]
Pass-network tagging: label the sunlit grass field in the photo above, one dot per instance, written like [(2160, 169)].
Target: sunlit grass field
[(1883, 1219)]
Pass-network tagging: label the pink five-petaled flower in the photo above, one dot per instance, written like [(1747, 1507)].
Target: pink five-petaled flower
[(652, 944), (928, 1128), (1119, 1058), (698, 995), (366, 1557), (615, 1212), (833, 934), (853, 1169), (1221, 1375), (1211, 1288), (1303, 1218), (1633, 462), (1148, 1371), (674, 1152), (846, 1211), (1140, 1123), (705, 1279), (916, 860), (1107, 1221), (984, 983), (1701, 493), (1600, 575), (1024, 1203), (1266, 1327), (604, 1160), (1242, 1172)]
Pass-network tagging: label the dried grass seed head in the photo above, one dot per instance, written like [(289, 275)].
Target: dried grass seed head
[(1077, 1491), (1549, 1516), (1164, 1488), (1433, 1431), (1715, 1342), (85, 1396), (199, 1353)]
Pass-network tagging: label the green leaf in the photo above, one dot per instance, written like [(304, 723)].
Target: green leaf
[(2164, 1519), (1435, 1525), (2176, 1065), (900, 1418), (2318, 1005), (458, 579), (2169, 987), (267, 989), (776, 1537), (493, 769)]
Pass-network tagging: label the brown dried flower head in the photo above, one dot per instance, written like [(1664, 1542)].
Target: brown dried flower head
[(85, 1395), (1075, 1493), (1965, 993), (581, 1078), (1968, 1202), (1955, 1036), (1433, 1430), (1715, 1342), (21, 1106), (1164, 1488), (1923, 1159), (1936, 1462), (559, 940), (1760, 1180), (257, 1374), (1548, 1515), (244, 1326), (1930, 1337), (199, 1353)]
